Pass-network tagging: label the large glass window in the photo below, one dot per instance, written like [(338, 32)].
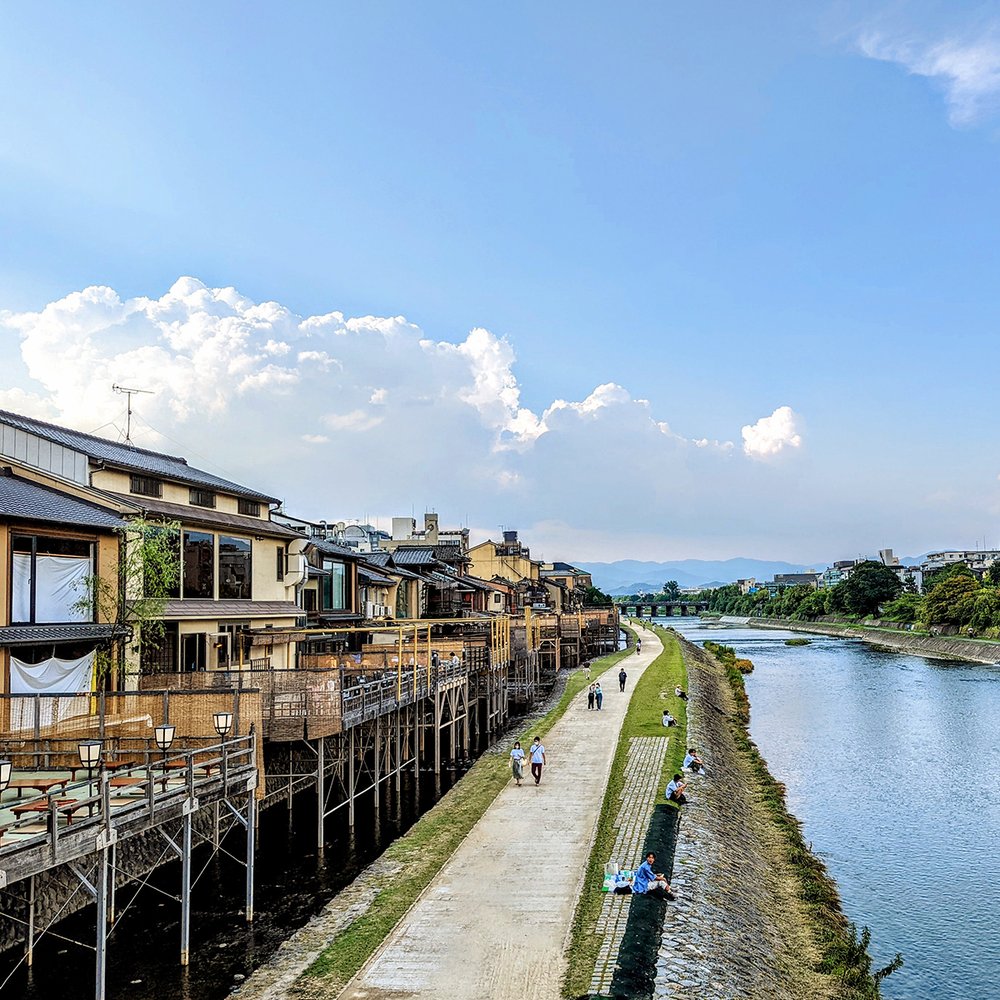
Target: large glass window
[(49, 579), (334, 586), (234, 569), (199, 564)]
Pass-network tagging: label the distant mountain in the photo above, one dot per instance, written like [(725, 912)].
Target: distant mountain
[(628, 576)]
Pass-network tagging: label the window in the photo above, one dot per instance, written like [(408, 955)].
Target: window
[(198, 557), (280, 571), (251, 507), (49, 579), (234, 569), (159, 654), (309, 600), (146, 486), (202, 498), (334, 586)]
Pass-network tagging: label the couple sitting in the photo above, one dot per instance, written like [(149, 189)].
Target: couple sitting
[(646, 881)]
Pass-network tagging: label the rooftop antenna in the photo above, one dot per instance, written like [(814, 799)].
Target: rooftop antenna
[(129, 393)]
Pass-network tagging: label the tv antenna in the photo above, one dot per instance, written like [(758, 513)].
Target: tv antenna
[(129, 393)]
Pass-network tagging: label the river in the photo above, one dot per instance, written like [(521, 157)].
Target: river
[(892, 763)]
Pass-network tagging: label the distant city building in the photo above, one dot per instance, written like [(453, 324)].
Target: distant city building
[(978, 560)]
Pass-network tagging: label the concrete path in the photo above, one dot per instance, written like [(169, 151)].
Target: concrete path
[(494, 922)]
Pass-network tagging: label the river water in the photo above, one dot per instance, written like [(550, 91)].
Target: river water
[(892, 763)]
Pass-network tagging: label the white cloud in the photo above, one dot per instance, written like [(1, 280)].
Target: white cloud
[(253, 391), (968, 70), (772, 435)]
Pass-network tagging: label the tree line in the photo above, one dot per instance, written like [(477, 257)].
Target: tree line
[(951, 597)]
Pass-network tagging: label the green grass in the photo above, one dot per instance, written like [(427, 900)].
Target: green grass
[(423, 850), (844, 953), (643, 718)]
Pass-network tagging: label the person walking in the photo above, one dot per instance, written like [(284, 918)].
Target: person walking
[(590, 697), (517, 763), (598, 695), (622, 677), (537, 753), (638, 646)]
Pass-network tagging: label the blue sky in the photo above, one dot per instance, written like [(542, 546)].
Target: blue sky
[(725, 210)]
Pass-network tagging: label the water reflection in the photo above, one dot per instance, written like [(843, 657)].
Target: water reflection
[(892, 762)]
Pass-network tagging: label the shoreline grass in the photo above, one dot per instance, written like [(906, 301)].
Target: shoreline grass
[(425, 848), (643, 718)]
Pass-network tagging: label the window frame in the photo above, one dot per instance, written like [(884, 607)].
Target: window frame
[(144, 486), (201, 497)]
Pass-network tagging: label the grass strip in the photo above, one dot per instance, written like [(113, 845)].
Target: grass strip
[(423, 850), (653, 692), (844, 951)]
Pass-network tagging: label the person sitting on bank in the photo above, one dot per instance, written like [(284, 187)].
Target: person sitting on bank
[(650, 882), (692, 762), (668, 719), (675, 790), (679, 692)]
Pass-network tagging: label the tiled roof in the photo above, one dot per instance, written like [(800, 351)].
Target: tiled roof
[(377, 558), (332, 548), (406, 556), (370, 576), (217, 519), (205, 608), (128, 457), (28, 635), (25, 500)]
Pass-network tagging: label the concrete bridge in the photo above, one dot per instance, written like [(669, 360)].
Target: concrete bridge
[(665, 609)]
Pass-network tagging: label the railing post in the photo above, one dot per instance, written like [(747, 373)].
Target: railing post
[(102, 919), (186, 845), (251, 844)]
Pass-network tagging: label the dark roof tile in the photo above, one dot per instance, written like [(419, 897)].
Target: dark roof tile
[(25, 500)]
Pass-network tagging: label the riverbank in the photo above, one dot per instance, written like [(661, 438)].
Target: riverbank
[(941, 647), (741, 925)]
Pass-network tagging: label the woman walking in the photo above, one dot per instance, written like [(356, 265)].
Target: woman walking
[(590, 698), (598, 695), (517, 763)]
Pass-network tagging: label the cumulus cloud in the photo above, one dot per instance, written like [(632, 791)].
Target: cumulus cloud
[(772, 435), (343, 416), (967, 69)]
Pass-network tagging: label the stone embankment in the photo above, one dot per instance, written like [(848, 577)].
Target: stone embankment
[(739, 927), (938, 646)]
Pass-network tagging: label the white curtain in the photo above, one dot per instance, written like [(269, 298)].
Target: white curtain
[(60, 581), (50, 677)]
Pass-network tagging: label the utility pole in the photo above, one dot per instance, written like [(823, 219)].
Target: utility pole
[(129, 393)]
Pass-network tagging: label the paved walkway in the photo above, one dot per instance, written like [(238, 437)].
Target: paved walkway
[(493, 924)]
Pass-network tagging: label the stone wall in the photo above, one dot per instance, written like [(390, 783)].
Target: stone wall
[(942, 647)]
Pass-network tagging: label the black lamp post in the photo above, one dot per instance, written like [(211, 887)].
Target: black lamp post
[(90, 757)]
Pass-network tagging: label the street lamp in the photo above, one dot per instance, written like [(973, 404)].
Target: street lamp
[(223, 722), (90, 757), (5, 768), (164, 736)]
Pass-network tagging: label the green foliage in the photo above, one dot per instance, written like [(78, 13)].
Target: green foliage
[(797, 642), (592, 597), (986, 610), (815, 605), (952, 601), (671, 590), (857, 972), (907, 608), (869, 586)]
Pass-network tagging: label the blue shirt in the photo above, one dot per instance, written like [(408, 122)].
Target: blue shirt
[(537, 750), (643, 876)]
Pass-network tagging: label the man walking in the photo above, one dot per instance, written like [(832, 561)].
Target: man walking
[(622, 677), (537, 753)]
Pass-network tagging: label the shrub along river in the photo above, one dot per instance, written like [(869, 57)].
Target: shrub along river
[(892, 763)]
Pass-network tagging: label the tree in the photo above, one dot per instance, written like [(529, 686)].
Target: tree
[(814, 606), (905, 609), (869, 586), (134, 600), (671, 590), (953, 600), (592, 597)]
